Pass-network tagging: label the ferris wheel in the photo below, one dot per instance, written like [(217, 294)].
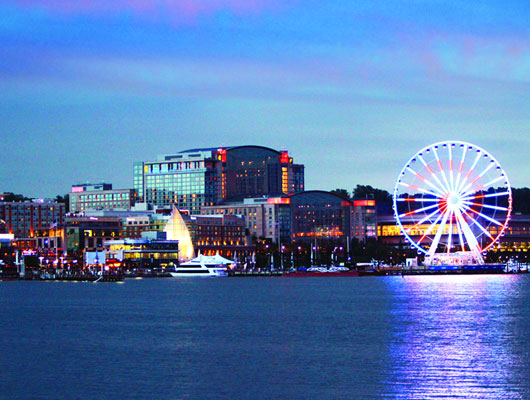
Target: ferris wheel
[(452, 199)]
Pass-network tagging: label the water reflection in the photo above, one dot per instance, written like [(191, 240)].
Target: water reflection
[(459, 337)]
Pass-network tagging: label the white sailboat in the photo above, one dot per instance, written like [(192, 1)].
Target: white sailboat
[(176, 229)]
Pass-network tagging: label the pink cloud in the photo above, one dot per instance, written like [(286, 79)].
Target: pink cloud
[(180, 9)]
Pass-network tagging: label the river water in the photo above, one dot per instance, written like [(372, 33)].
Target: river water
[(413, 337)]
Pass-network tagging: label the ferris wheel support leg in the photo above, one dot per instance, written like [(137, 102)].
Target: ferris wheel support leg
[(438, 236), (470, 237)]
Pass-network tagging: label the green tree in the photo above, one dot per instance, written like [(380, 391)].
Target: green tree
[(341, 192), (63, 199), (10, 196), (383, 199), (521, 200)]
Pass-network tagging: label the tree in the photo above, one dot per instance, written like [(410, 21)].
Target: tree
[(10, 196), (63, 199), (341, 192), (383, 199), (521, 200)]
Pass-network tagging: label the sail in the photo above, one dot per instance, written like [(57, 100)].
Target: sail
[(176, 229)]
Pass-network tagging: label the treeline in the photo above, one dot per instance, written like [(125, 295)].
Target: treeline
[(521, 198), (10, 197)]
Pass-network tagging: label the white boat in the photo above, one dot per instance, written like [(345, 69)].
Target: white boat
[(205, 266)]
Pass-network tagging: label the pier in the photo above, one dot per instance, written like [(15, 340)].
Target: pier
[(254, 273)]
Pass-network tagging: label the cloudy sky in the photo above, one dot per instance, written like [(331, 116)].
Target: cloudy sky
[(351, 89)]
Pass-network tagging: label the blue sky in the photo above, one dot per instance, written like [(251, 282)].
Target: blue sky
[(351, 89)]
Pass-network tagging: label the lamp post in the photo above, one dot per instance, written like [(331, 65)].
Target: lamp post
[(282, 248)]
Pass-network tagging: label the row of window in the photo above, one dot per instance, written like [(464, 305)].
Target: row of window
[(103, 197)]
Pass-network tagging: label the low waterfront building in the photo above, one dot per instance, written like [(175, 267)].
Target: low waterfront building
[(318, 214), (144, 252), (265, 217), (140, 218), (89, 187), (89, 233), (100, 197), (6, 239), (22, 219), (364, 219), (222, 234), (304, 215)]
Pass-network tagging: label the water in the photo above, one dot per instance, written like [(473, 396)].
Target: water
[(267, 338)]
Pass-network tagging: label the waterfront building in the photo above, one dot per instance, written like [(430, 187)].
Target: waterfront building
[(304, 215), (135, 221), (100, 197), (23, 218), (516, 237), (88, 233), (51, 239), (144, 252), (6, 239), (364, 219), (91, 187), (265, 217), (320, 215), (133, 226), (222, 234), (195, 178)]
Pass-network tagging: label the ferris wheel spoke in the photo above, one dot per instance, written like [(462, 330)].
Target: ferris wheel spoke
[(461, 167), (450, 234), (431, 227), (491, 164), (485, 217), (418, 210), (468, 234), (468, 203), (481, 187), (469, 172), (438, 235), (483, 196), (451, 177), (421, 221), (417, 199), (447, 187), (481, 228), (419, 189), (460, 238), (425, 180), (432, 173)]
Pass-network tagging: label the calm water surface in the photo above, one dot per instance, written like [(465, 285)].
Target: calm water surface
[(421, 337)]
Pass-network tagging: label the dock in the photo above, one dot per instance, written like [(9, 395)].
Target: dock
[(254, 273)]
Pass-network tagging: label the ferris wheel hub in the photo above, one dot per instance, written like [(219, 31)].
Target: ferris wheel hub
[(454, 201)]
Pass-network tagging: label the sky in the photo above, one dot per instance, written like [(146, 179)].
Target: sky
[(351, 89)]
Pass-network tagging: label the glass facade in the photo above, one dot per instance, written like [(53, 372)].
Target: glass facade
[(102, 200), (320, 214), (186, 180), (196, 178)]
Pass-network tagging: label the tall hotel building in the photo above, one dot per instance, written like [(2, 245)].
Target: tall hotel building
[(195, 178)]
